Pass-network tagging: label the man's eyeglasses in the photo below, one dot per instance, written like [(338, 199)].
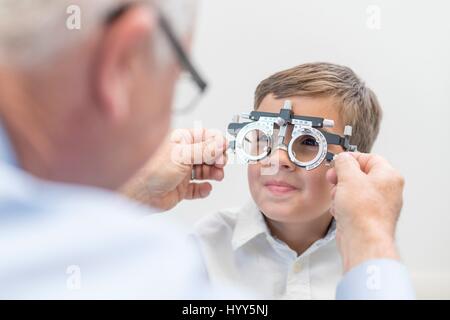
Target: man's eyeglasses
[(191, 86)]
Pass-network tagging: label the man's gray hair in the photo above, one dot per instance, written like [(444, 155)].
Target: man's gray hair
[(31, 30)]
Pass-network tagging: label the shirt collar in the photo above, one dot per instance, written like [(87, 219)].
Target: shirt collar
[(250, 223), (331, 235), (6, 151)]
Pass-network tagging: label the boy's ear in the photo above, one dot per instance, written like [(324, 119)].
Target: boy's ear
[(121, 45)]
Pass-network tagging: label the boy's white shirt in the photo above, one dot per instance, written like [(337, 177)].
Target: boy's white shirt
[(238, 247)]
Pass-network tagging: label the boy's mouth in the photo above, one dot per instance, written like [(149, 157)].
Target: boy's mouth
[(279, 187)]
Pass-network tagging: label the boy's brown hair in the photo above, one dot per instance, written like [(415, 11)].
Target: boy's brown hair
[(358, 104)]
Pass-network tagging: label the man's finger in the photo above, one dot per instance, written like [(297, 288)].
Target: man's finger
[(346, 166), (217, 174), (200, 135), (198, 190), (221, 161), (331, 176), (205, 172), (213, 150), (372, 164), (188, 151)]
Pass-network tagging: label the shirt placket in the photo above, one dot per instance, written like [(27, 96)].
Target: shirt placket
[(298, 284)]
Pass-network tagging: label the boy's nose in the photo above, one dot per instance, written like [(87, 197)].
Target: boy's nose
[(280, 158)]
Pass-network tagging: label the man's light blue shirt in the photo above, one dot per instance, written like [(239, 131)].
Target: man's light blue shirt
[(71, 242), (376, 279)]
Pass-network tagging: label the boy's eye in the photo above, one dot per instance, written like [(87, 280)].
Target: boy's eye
[(310, 142), (305, 148)]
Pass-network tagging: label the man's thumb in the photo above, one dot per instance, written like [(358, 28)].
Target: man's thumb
[(346, 166)]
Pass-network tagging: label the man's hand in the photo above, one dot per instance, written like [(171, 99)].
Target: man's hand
[(367, 199), (167, 178)]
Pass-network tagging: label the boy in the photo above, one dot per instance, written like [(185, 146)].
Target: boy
[(282, 244)]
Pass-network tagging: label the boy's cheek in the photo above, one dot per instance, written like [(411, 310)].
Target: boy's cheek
[(316, 185), (253, 175), (253, 172)]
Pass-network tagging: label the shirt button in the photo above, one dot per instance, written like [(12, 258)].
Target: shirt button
[(297, 267)]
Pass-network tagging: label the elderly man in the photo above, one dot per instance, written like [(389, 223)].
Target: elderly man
[(82, 111)]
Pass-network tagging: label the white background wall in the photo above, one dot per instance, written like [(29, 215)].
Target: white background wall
[(406, 62)]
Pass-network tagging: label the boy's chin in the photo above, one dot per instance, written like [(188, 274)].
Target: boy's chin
[(287, 213)]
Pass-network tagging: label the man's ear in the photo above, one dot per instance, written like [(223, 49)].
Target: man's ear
[(122, 43)]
